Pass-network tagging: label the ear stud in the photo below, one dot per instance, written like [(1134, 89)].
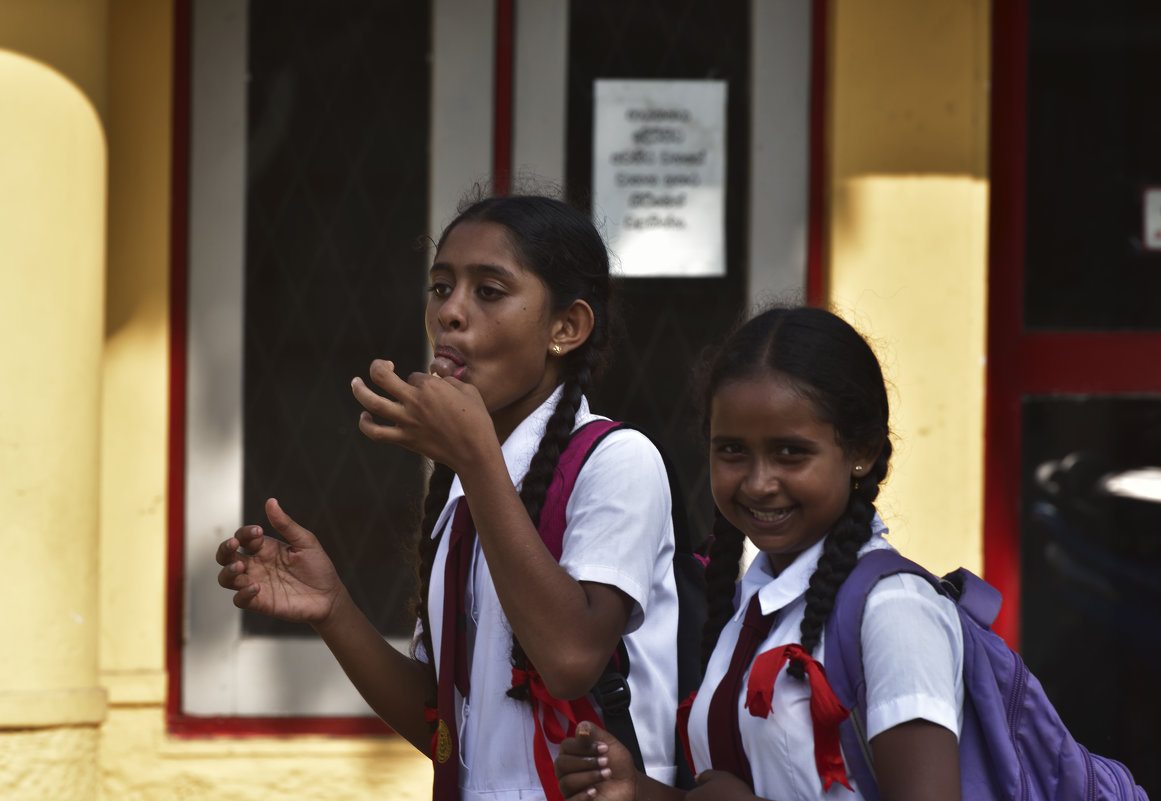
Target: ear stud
[(556, 349)]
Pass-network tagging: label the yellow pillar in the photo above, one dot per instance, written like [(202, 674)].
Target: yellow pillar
[(52, 224), (908, 185)]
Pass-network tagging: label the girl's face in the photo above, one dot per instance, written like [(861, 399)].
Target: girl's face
[(777, 471), (490, 323)]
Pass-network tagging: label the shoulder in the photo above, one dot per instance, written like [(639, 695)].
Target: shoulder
[(624, 456)]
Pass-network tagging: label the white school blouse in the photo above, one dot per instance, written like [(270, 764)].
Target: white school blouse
[(618, 532), (913, 661)]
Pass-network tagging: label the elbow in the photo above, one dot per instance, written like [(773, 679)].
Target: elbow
[(571, 675)]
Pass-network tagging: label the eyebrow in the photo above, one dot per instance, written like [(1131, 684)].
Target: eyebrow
[(480, 269), (802, 441)]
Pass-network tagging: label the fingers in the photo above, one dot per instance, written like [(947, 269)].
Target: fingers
[(383, 375), (581, 764), (296, 535), (247, 539)]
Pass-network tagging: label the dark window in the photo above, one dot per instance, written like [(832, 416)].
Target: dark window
[(668, 321), (1093, 131), (335, 211)]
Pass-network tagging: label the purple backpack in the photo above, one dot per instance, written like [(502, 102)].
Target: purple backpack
[(1013, 747)]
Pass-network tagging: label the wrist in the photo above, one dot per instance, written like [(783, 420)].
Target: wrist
[(337, 613)]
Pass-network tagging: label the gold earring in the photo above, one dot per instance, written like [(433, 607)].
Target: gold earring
[(556, 349)]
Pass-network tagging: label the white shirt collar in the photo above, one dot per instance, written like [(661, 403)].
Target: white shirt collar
[(776, 591)]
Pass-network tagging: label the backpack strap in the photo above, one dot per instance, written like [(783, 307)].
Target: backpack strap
[(611, 691), (843, 655), (584, 440)]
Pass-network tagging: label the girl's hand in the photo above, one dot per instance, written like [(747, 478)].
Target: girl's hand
[(293, 580), (436, 417), (720, 785), (595, 765)]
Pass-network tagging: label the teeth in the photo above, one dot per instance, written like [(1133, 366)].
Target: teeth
[(769, 517)]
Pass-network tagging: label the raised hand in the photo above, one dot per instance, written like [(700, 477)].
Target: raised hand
[(434, 416), (293, 580)]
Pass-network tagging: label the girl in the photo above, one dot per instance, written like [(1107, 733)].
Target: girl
[(798, 432), (518, 320)]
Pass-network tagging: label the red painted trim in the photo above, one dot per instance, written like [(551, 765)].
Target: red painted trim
[(502, 110), (1080, 363), (201, 727), (816, 204), (1002, 434), (178, 723), (178, 305)]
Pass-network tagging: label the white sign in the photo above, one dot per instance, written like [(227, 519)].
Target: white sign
[(659, 175), (1152, 233)]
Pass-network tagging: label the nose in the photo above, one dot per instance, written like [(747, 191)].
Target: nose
[(761, 480), (452, 313)]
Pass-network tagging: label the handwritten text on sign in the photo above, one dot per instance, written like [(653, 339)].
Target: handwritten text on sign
[(659, 165)]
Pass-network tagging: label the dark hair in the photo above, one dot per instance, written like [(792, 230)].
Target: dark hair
[(833, 366), (562, 247)]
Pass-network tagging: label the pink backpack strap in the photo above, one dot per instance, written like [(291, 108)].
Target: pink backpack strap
[(572, 459)]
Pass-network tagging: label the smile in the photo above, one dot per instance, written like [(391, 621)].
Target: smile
[(769, 516)]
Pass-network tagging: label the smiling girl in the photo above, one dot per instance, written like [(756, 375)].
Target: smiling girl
[(797, 418), (518, 321)]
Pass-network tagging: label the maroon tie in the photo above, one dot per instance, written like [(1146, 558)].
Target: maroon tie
[(725, 737), (453, 655)]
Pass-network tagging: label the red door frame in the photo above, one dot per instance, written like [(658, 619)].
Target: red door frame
[(1022, 363), (182, 724)]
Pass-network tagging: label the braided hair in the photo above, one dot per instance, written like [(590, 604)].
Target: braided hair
[(833, 366), (563, 248)]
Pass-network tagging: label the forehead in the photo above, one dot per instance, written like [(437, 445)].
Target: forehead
[(764, 405), (473, 242)]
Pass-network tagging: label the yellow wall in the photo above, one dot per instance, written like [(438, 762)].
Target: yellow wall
[(83, 416), (908, 184)]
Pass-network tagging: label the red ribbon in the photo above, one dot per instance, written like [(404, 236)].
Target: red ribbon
[(431, 715), (547, 713), (683, 710), (826, 711)]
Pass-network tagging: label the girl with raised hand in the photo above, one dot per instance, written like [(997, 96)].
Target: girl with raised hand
[(518, 320), (797, 418)]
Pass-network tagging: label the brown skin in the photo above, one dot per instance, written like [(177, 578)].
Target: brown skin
[(914, 761), (297, 581), (778, 474), (495, 316)]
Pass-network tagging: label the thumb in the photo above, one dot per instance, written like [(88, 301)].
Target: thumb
[(296, 536), (705, 777)]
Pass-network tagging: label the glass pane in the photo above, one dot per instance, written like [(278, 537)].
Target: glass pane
[(1091, 575), (1093, 132), (668, 321), (336, 204)]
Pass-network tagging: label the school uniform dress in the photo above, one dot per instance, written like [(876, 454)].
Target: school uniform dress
[(618, 532), (913, 660)]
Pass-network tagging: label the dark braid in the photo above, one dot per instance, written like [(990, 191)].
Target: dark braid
[(534, 487), (721, 576), (839, 555), (563, 248), (438, 487), (825, 359)]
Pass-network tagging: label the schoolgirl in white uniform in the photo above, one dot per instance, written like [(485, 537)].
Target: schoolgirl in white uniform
[(518, 321), (797, 418)]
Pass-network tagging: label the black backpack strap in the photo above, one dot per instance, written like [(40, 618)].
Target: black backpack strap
[(611, 693)]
